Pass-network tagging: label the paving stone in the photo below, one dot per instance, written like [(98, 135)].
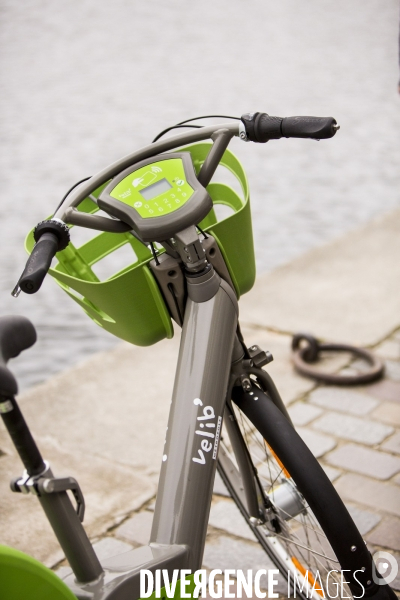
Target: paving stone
[(317, 443), (364, 460), (388, 349), (137, 529), (397, 479), (343, 400), (220, 487), (385, 390), (227, 553), (393, 443), (104, 548), (392, 369), (352, 428), (387, 534), (109, 546), (364, 519), (302, 413), (225, 515), (332, 473), (376, 494), (388, 412), (62, 572), (54, 559)]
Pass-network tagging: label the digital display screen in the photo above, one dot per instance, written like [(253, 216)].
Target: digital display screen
[(155, 189)]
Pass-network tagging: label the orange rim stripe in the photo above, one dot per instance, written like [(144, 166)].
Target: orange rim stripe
[(311, 579), (280, 463)]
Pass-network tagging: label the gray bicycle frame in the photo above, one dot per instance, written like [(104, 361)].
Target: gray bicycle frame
[(190, 453), (208, 347), (210, 351)]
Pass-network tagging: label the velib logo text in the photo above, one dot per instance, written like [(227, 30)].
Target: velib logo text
[(209, 428)]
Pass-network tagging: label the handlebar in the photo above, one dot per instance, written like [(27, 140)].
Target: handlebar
[(181, 139), (53, 236), (261, 127)]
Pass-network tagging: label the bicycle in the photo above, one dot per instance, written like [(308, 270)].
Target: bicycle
[(225, 407)]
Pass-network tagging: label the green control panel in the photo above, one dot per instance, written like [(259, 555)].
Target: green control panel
[(157, 189), (157, 197)]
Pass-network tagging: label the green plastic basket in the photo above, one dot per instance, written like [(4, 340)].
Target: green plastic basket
[(129, 304), (22, 577)]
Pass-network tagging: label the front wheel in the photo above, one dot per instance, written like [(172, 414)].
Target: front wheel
[(301, 522)]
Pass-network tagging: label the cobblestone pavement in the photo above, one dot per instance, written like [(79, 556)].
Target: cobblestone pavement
[(354, 433)]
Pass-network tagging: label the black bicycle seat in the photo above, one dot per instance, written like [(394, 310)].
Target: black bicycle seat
[(16, 334)]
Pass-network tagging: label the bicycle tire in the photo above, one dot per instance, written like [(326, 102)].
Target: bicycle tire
[(317, 533)]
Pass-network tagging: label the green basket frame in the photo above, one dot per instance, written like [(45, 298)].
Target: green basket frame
[(22, 576), (129, 304)]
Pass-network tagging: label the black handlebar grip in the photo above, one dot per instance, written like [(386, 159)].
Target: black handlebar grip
[(39, 263), (261, 127), (317, 128)]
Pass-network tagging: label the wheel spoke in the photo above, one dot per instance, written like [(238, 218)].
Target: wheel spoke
[(313, 552), (300, 540)]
